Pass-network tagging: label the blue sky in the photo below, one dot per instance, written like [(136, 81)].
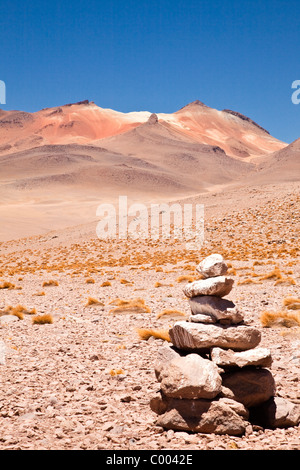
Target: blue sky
[(155, 55)]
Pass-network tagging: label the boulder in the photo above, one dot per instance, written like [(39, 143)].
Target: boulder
[(189, 377), (165, 354), (220, 416), (253, 357), (249, 386), (277, 412), (190, 336), (220, 310), (218, 286), (212, 266)]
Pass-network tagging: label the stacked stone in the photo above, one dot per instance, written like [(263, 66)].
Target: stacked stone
[(214, 376)]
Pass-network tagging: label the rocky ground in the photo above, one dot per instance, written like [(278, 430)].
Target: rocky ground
[(85, 380)]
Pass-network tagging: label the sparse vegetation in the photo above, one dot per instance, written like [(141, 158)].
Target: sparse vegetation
[(7, 285), (292, 303), (171, 312), (280, 318), (50, 283), (130, 306), (146, 333), (42, 319), (93, 301), (185, 278)]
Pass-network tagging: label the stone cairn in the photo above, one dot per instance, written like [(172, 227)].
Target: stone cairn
[(214, 378)]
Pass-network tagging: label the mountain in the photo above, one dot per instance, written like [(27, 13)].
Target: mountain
[(58, 164), (85, 123)]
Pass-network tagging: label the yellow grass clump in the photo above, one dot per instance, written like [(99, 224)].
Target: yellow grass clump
[(7, 285), (275, 274), (185, 278), (280, 318), (93, 301), (114, 372), (90, 280), (19, 311), (106, 284), (170, 312), (160, 284), (286, 281), (124, 281), (247, 281), (42, 319), (292, 303), (50, 283), (130, 306), (146, 333)]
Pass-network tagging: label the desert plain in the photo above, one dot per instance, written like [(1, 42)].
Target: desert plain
[(83, 379)]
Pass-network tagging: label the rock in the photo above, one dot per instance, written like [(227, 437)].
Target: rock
[(220, 416), (201, 318), (189, 377), (165, 354), (221, 310), (212, 266), (218, 286), (277, 412), (2, 352), (253, 357), (8, 319), (153, 119), (250, 386), (190, 336)]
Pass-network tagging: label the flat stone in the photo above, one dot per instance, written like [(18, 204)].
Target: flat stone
[(222, 416), (221, 310), (189, 377), (212, 266), (218, 286), (190, 336), (253, 357), (250, 386), (8, 319), (201, 318)]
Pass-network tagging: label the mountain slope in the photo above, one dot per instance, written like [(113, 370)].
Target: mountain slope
[(85, 122)]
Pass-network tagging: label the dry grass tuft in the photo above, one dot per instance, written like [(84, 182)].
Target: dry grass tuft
[(171, 312), (130, 306), (19, 311), (106, 284), (114, 372), (42, 319), (185, 278), (146, 333), (50, 283), (292, 303), (124, 281), (160, 284), (288, 281), (275, 274), (7, 285), (93, 301), (90, 280), (247, 281), (281, 318)]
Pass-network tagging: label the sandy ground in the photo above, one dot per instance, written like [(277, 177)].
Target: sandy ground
[(85, 380)]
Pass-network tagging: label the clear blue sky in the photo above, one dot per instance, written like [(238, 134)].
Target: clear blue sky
[(155, 55)]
